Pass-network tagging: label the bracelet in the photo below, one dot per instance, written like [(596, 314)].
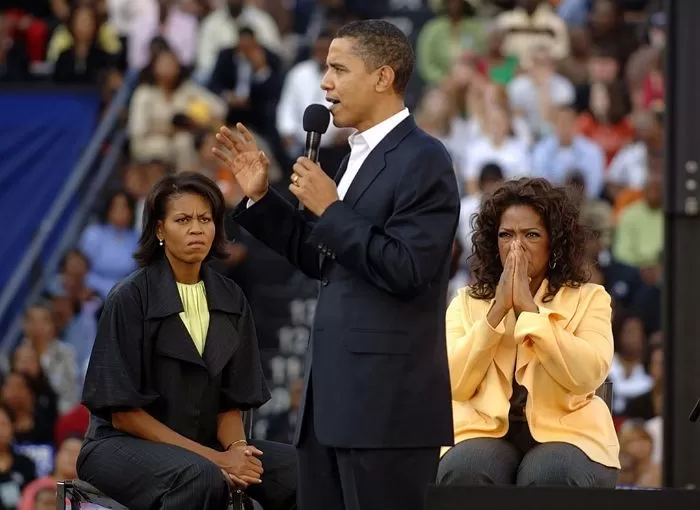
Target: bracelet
[(236, 443)]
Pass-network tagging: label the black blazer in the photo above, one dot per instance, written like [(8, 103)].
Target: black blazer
[(144, 358), (90, 71), (378, 358)]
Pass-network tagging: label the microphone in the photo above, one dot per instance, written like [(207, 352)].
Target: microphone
[(316, 120)]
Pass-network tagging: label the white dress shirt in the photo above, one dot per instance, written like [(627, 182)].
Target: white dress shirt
[(362, 144)]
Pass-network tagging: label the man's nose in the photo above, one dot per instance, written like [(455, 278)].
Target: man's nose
[(326, 83)]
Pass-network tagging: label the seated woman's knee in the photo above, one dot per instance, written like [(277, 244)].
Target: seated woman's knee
[(560, 464), (206, 477), (482, 461)]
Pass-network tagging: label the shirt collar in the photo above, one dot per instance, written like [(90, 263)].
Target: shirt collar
[(372, 136)]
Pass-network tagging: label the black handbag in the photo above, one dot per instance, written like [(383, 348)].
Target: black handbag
[(240, 501)]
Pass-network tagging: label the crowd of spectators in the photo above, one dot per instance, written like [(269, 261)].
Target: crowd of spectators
[(570, 90)]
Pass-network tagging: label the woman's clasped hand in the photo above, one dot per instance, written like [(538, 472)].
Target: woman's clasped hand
[(513, 290), (241, 465)]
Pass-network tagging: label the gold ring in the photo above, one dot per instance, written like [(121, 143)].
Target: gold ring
[(295, 179)]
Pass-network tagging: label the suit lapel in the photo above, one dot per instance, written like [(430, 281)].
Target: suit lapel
[(222, 342), (376, 161), (341, 169), (174, 341), (370, 169)]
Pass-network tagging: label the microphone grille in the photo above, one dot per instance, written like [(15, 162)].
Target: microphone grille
[(316, 118)]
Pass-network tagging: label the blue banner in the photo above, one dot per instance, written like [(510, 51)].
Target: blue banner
[(42, 134)]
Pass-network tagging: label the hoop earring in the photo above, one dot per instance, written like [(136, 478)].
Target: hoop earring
[(161, 242), (552, 264)]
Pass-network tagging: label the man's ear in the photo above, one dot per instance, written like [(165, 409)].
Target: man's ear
[(385, 79)]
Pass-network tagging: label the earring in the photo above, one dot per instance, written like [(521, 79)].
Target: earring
[(552, 264), (161, 242)]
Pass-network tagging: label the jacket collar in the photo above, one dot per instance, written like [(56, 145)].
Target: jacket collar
[(376, 161), (164, 298)]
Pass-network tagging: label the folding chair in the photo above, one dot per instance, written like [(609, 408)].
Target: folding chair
[(605, 392)]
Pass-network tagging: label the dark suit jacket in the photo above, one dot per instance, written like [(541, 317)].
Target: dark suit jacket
[(264, 93), (378, 358), (144, 358)]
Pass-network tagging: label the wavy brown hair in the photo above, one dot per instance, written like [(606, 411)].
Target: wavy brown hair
[(560, 214)]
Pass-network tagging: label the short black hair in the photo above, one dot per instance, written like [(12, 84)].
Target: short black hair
[(113, 195), (73, 252), (170, 186), (490, 172), (246, 31), (380, 43)]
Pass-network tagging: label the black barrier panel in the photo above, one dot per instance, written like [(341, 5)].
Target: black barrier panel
[(516, 498), (284, 315), (681, 283)]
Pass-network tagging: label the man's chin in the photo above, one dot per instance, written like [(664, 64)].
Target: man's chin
[(338, 122)]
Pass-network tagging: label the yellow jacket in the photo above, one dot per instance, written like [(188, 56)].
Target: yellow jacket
[(561, 355)]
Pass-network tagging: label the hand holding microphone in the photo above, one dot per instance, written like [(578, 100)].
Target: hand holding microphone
[(310, 184)]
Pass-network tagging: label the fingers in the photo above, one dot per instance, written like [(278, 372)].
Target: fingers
[(255, 465), (226, 138), (255, 451), (254, 461), (300, 168), (254, 470), (238, 481), (304, 165), (250, 479), (221, 156), (296, 190), (245, 133), (242, 141), (231, 484)]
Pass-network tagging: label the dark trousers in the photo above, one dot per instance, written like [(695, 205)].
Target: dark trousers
[(518, 459), (143, 475), (361, 479)]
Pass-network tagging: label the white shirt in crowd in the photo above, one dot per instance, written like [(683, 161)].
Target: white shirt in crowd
[(122, 14), (629, 166), (523, 96), (513, 156), (521, 129), (219, 30), (302, 87), (469, 206), (626, 388)]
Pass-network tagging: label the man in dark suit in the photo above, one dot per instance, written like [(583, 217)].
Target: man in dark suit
[(376, 405), (249, 78)]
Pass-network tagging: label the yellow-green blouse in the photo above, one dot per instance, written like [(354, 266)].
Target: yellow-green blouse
[(196, 312)]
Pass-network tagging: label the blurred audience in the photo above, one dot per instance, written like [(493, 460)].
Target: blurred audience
[(569, 90), (110, 243), (166, 108)]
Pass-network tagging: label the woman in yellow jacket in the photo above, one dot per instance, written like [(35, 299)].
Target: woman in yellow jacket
[(528, 344)]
